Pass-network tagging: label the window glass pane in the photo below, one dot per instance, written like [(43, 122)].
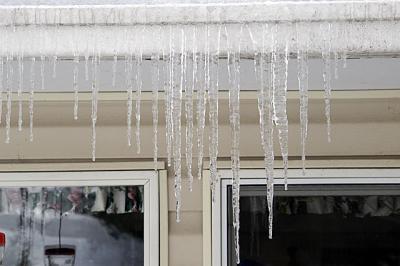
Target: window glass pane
[(73, 225), (320, 225)]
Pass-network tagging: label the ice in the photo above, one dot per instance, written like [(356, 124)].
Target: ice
[(196, 48), (201, 103), (344, 59), (155, 84), (336, 64), (76, 87), (55, 61), (31, 96), (280, 72), (129, 86), (86, 66), (168, 96), (20, 89), (326, 58), (138, 78), (302, 77), (213, 115), (178, 64), (234, 120), (9, 79), (95, 63), (265, 106), (189, 111)]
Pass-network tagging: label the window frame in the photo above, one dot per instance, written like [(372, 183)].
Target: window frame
[(148, 179), (218, 229)]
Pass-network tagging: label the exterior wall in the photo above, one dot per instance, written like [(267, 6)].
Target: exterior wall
[(361, 127)]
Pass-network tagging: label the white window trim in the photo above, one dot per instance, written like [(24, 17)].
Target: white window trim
[(148, 179), (218, 251)]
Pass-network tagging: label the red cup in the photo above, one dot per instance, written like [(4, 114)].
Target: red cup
[(2, 246), (2, 239)]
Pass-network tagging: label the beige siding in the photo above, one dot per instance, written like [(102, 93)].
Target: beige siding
[(362, 126)]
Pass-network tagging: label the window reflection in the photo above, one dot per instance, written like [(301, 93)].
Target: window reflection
[(98, 225)]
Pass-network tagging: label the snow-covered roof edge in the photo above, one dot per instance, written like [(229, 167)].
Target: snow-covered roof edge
[(291, 11)]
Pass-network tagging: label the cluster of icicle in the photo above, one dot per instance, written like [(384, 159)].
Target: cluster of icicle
[(186, 62)]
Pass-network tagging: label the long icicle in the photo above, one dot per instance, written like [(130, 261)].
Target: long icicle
[(280, 58), (213, 116), (20, 88), (189, 111), (302, 69), (176, 123), (168, 93), (129, 85), (302, 77), (201, 105), (155, 84), (326, 58), (265, 107), (139, 83), (76, 86), (95, 90), (31, 97), (234, 118), (10, 72)]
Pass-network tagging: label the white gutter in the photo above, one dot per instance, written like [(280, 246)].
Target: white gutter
[(358, 27), (282, 11)]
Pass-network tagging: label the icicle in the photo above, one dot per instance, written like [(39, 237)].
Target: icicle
[(344, 59), (302, 65), (234, 118), (280, 58), (42, 60), (189, 112), (95, 90), (201, 104), (213, 117), (336, 62), (155, 84), (31, 97), (114, 71), (20, 87), (55, 60), (76, 87), (176, 123), (302, 77), (86, 67), (9, 73), (168, 94), (265, 107), (129, 70), (326, 58), (139, 83), (1, 86)]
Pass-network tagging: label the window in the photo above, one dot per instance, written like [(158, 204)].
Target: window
[(80, 218), (330, 217)]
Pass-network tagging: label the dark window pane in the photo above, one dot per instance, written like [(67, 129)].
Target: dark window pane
[(321, 226)]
